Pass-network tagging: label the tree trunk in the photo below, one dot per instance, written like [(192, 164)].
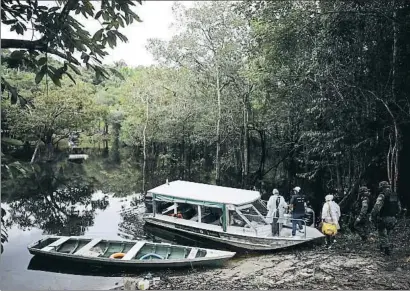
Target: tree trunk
[(263, 153), (144, 143), (35, 152), (49, 147), (190, 157), (182, 165), (106, 134), (218, 128), (395, 150), (245, 166), (339, 178)]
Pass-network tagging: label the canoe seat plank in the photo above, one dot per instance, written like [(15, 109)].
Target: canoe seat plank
[(133, 251), (55, 244), (193, 253), (87, 247)]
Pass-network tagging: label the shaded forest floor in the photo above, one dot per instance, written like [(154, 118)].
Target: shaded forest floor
[(350, 264)]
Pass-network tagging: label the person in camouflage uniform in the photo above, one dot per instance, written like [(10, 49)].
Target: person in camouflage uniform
[(361, 224), (384, 214)]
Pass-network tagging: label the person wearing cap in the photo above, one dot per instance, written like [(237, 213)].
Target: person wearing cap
[(276, 211), (297, 205), (330, 214), (361, 224)]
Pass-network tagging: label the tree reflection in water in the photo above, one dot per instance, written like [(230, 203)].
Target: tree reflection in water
[(55, 197), (4, 234), (131, 225)]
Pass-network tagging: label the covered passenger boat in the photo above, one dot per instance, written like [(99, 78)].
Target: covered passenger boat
[(225, 215), (126, 252)]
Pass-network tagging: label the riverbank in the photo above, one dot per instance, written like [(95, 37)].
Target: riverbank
[(350, 264)]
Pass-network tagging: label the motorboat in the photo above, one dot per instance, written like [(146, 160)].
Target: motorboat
[(225, 215)]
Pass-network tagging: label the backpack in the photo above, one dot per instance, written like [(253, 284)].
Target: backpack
[(390, 206)]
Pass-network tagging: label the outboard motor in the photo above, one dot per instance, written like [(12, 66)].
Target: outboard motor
[(309, 216)]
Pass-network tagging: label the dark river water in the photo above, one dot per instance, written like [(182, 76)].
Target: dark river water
[(94, 199), (19, 270)]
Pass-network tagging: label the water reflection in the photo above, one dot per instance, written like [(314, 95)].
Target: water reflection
[(18, 272), (64, 198), (38, 263), (131, 225), (4, 234), (55, 197)]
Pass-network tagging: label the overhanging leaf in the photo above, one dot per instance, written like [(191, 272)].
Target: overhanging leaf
[(40, 74), (116, 73), (54, 77), (74, 68), (71, 77)]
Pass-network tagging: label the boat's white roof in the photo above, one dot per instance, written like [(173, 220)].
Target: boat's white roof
[(206, 192)]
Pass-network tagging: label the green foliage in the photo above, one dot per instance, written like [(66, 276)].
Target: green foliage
[(52, 115), (63, 36), (318, 63), (278, 92)]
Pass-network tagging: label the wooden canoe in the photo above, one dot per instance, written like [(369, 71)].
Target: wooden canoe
[(128, 253)]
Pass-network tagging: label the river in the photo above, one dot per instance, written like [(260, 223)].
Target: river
[(95, 199), (17, 264)]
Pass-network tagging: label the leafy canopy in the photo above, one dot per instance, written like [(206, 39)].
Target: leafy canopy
[(62, 36)]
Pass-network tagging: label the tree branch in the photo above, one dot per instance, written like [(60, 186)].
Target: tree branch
[(9, 43), (38, 45)]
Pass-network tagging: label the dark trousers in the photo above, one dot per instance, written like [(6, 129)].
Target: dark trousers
[(275, 227), (329, 239), (384, 228), (362, 228), (298, 222)]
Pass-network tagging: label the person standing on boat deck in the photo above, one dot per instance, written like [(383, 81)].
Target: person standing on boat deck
[(330, 214), (276, 206), (297, 204)]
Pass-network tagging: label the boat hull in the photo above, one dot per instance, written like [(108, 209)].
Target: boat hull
[(106, 262), (174, 263), (235, 241)]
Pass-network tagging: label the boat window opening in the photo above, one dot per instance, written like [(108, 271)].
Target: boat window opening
[(202, 212), (235, 219), (252, 215), (210, 215), (183, 210), (261, 206)]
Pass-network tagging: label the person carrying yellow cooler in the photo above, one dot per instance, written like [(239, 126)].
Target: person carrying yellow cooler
[(330, 220)]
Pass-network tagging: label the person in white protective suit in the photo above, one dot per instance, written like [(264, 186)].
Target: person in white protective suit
[(276, 211), (331, 214)]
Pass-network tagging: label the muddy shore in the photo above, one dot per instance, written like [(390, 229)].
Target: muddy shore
[(349, 264)]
